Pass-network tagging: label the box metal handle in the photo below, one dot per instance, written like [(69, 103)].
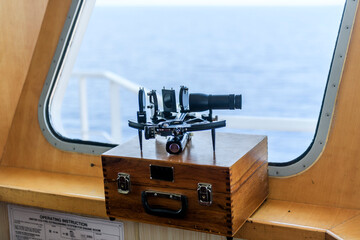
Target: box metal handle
[(163, 212)]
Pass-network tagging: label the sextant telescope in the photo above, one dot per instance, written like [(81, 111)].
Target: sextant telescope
[(176, 125)]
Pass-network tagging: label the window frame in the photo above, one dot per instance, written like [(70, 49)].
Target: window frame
[(316, 147), (70, 38), (76, 22)]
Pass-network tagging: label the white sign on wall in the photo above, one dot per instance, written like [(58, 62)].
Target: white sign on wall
[(35, 224)]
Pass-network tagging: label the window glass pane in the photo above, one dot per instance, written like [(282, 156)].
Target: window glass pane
[(276, 56)]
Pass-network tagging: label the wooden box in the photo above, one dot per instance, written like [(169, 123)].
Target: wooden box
[(167, 189)]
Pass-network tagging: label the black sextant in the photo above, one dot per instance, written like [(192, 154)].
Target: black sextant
[(176, 125)]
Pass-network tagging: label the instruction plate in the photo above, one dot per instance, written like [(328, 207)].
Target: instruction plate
[(36, 224)]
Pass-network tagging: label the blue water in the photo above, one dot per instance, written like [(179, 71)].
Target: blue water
[(278, 58)]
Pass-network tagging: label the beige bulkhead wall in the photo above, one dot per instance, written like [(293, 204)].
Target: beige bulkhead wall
[(20, 25), (18, 36)]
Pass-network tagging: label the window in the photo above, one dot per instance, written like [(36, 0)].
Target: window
[(276, 55)]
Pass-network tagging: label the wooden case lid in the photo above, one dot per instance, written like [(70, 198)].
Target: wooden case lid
[(229, 149)]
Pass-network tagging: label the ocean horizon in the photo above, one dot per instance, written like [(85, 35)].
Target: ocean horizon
[(278, 58)]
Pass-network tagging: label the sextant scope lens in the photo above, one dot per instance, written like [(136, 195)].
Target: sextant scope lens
[(199, 102), (174, 148)]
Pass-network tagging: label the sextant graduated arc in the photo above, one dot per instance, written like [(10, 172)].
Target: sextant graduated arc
[(187, 127)]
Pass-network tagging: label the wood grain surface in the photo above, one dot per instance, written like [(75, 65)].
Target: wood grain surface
[(248, 195), (184, 176), (334, 180), (239, 180), (199, 218), (154, 232), (4, 222), (28, 149), (331, 236), (63, 192), (349, 229), (264, 231), (300, 214), (26, 146), (229, 149), (288, 220), (209, 168), (332, 184), (21, 21)]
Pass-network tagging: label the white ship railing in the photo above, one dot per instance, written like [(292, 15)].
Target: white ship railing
[(117, 82)]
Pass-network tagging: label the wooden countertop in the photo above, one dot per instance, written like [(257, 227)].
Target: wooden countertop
[(275, 219), (63, 192)]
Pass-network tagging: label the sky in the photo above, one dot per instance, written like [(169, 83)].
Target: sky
[(220, 2)]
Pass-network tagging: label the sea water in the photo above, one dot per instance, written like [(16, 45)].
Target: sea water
[(278, 58)]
